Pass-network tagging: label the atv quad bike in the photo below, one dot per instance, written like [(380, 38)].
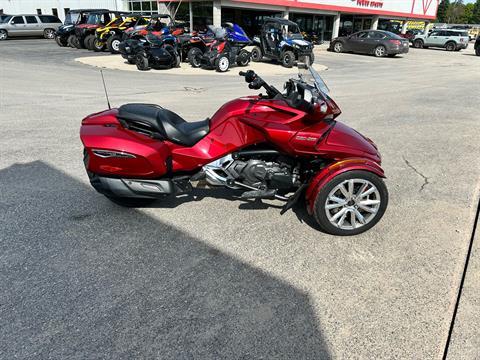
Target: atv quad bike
[(227, 49), (281, 40), (193, 46)]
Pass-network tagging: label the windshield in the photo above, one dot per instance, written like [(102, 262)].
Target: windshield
[(71, 18), (5, 18), (309, 75), (94, 19)]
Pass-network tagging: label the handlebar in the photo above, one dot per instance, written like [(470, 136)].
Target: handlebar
[(256, 82)]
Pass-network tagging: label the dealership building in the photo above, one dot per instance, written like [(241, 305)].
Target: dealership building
[(325, 18)]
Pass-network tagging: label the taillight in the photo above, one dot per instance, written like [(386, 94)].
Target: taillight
[(220, 47), (395, 42)]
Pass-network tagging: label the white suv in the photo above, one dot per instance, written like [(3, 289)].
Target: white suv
[(449, 39)]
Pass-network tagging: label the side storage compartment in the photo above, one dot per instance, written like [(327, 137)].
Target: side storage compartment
[(114, 151)]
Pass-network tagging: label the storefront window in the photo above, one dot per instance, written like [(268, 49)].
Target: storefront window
[(250, 20), (144, 7), (202, 15)]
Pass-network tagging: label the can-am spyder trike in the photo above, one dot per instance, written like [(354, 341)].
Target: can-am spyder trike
[(277, 145)]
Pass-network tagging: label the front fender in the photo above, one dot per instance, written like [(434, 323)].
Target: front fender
[(328, 173)]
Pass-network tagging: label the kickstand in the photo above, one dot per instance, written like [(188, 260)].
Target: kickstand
[(292, 200)]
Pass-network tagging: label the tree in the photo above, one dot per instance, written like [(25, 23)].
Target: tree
[(476, 13), (456, 12), (443, 10), (468, 14)]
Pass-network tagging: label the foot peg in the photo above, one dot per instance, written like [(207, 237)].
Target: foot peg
[(259, 194)]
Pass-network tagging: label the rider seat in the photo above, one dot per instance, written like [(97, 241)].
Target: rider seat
[(154, 119)]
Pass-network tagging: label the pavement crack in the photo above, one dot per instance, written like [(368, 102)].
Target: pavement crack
[(425, 178)]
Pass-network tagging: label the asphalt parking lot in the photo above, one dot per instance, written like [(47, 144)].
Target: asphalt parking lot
[(205, 277)]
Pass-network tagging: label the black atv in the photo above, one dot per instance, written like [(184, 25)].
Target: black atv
[(193, 46), (65, 33), (281, 40)]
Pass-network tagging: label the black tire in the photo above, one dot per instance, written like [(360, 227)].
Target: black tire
[(88, 42), (311, 59), (3, 35), (71, 40), (62, 42), (450, 46), (49, 34), (477, 51), (338, 47), (319, 211), (194, 55), (176, 57), (288, 59), (113, 44), (98, 45), (130, 202), (141, 60), (380, 51), (77, 44), (256, 54), (243, 58), (222, 64), (418, 44)]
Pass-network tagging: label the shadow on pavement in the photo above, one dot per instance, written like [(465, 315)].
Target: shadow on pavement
[(83, 278)]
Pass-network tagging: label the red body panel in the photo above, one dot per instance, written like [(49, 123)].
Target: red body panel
[(337, 168), (236, 125)]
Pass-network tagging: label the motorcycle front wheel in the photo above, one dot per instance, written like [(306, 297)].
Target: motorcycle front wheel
[(351, 203)]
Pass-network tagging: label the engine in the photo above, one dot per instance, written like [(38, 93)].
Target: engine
[(257, 173)]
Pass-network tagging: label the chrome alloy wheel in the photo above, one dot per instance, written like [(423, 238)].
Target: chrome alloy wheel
[(352, 204), (49, 34), (380, 51)]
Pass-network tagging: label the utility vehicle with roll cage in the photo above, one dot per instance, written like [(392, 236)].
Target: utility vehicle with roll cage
[(281, 40)]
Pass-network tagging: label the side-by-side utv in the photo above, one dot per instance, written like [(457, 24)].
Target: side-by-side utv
[(65, 33), (109, 36), (281, 40), (85, 32)]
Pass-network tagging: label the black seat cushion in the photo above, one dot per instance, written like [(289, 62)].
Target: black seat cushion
[(153, 118)]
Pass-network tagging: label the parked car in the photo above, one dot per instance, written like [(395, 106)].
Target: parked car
[(377, 42), (29, 25), (451, 40), (477, 46)]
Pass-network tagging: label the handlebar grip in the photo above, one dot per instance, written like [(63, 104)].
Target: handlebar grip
[(242, 73)]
